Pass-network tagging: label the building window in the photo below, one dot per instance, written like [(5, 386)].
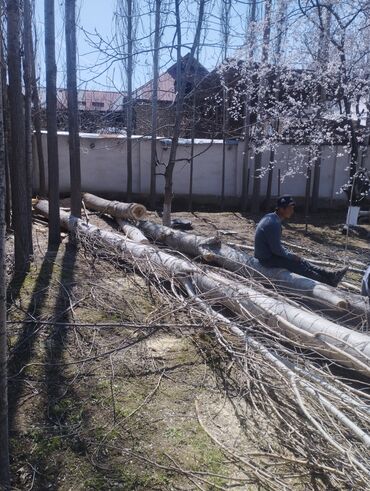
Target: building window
[(97, 104)]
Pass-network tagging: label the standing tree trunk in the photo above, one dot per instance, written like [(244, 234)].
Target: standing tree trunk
[(153, 149), (126, 20), (281, 31), (37, 120), (73, 123), (18, 168), (27, 77), (192, 148), (260, 124), (129, 98), (4, 103), (323, 60), (250, 44), (51, 121), (4, 433), (225, 25), (181, 78)]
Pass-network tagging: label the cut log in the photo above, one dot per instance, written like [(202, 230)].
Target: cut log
[(131, 232), (330, 264), (348, 347), (144, 255), (241, 263), (117, 209), (351, 348)]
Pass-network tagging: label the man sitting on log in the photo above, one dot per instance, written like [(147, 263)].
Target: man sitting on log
[(272, 254)]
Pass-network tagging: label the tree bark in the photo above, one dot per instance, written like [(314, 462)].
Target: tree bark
[(250, 43), (51, 122), (27, 77), (73, 114), (5, 110), (211, 250), (260, 113), (4, 432), (153, 146), (281, 30), (348, 347), (117, 209), (21, 202), (225, 19), (181, 85), (37, 119), (131, 232), (129, 97)]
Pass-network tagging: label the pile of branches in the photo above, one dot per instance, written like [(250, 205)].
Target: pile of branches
[(321, 422)]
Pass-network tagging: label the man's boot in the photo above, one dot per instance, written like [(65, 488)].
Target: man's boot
[(335, 277)]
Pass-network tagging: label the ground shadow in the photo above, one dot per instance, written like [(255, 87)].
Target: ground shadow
[(21, 353), (60, 399), (14, 287)]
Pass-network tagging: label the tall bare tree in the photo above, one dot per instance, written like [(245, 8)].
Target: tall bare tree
[(27, 77), (127, 24), (51, 121), (321, 64), (250, 45), (73, 115), (21, 202), (225, 27), (4, 88), (181, 81), (153, 150), (37, 115), (260, 124), (4, 437), (281, 29)]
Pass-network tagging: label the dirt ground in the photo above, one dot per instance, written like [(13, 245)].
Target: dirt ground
[(100, 402)]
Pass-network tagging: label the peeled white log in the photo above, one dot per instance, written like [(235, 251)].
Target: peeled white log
[(131, 232), (145, 254), (241, 263), (353, 269), (131, 211), (351, 348)]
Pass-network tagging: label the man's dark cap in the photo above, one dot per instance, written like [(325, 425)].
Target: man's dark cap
[(285, 201)]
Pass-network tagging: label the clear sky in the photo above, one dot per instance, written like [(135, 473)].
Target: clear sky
[(97, 16), (93, 15)]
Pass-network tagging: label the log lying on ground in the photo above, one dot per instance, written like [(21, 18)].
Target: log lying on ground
[(350, 348), (139, 252), (339, 416), (212, 250), (339, 343), (131, 232), (131, 211), (330, 264)]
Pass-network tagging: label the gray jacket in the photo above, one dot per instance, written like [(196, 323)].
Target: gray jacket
[(267, 241)]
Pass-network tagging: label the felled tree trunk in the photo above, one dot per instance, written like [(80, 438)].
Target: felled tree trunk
[(145, 255), (131, 232), (350, 348), (336, 342), (131, 211), (211, 250)]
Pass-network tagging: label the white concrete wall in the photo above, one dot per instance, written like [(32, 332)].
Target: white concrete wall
[(103, 167)]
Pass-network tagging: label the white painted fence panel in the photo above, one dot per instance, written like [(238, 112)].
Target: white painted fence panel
[(104, 170)]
